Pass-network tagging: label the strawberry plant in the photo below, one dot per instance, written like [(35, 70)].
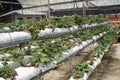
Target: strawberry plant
[(97, 52), (80, 69), (39, 58), (65, 22), (98, 19), (107, 39), (58, 22), (7, 72), (34, 27), (79, 20), (2, 25), (17, 55)]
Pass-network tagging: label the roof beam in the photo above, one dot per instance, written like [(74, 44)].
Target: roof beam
[(6, 2), (56, 4)]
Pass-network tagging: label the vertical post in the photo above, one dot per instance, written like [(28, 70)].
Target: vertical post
[(49, 11), (86, 2), (84, 10), (22, 16), (74, 6), (12, 14), (22, 11)]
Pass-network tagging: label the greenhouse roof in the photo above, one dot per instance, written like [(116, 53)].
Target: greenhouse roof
[(42, 5)]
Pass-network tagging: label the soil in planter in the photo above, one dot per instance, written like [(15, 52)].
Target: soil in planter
[(109, 69)]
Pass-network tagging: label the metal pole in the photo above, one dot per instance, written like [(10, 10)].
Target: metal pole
[(74, 6), (84, 10), (49, 11), (12, 14)]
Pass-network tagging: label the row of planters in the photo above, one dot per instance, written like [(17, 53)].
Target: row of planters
[(40, 30), (83, 70), (62, 22), (12, 37), (41, 66), (43, 55), (76, 38)]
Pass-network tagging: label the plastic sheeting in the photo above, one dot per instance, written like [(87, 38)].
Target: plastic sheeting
[(26, 73), (5, 30), (12, 37), (69, 5)]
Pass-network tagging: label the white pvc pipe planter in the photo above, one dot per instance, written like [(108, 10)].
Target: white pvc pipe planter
[(6, 38), (95, 24), (18, 36), (26, 73), (103, 23), (47, 33), (32, 71), (5, 29), (43, 67), (5, 55), (73, 52), (93, 66), (13, 64), (84, 43), (50, 33), (104, 32), (74, 28), (26, 60), (101, 34), (85, 25), (74, 49), (95, 38)]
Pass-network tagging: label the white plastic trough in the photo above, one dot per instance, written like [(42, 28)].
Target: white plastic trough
[(50, 33), (93, 66), (13, 64), (5, 29), (5, 55), (26, 73), (11, 37)]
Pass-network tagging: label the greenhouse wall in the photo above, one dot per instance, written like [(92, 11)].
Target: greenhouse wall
[(88, 12)]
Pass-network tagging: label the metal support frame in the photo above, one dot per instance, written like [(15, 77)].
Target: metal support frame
[(49, 11), (12, 16)]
